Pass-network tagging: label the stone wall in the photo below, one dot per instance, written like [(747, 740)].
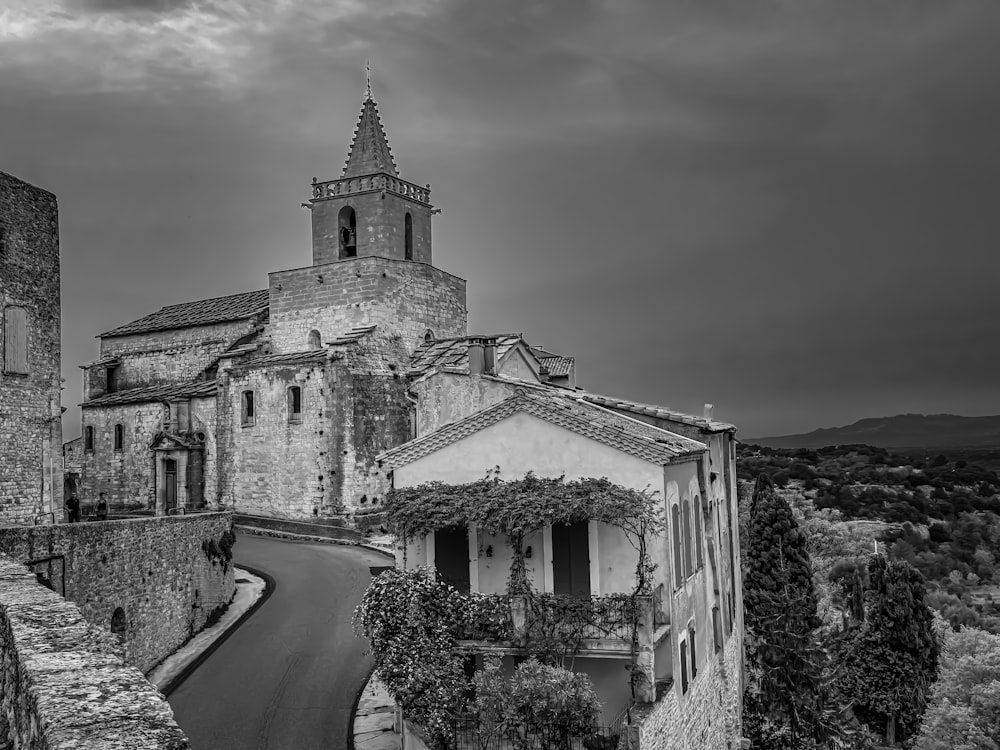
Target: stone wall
[(401, 297), (160, 357), (707, 717), (63, 682), (30, 417), (127, 475), (155, 569)]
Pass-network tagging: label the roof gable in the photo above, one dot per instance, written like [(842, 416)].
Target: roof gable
[(624, 434)]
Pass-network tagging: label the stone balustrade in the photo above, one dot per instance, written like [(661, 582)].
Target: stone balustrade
[(352, 185), (65, 683)]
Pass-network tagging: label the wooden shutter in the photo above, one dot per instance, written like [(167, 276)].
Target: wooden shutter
[(15, 340)]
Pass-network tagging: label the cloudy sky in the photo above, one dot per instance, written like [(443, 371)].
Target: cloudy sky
[(788, 208)]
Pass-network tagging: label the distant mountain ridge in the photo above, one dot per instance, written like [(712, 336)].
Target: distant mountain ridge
[(900, 431)]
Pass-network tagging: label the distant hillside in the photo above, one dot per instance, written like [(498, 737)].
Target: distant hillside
[(901, 431)]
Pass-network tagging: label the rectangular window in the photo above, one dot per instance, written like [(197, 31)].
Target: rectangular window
[(675, 523), (15, 341), (119, 436), (699, 555), (111, 372), (295, 404), (88, 438), (247, 408)]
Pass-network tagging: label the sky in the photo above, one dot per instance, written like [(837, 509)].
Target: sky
[(785, 208)]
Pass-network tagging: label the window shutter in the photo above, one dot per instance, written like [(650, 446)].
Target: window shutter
[(15, 340)]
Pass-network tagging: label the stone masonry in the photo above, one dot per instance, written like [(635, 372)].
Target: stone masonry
[(31, 449), (167, 575), (63, 682)]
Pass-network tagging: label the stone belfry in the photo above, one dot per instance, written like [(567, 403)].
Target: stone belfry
[(369, 210)]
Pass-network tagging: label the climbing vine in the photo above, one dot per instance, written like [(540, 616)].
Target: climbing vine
[(220, 550)]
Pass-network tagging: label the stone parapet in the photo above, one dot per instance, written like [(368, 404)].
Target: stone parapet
[(65, 683)]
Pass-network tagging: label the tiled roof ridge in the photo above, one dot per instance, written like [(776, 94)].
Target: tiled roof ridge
[(148, 393), (370, 152), (541, 406), (660, 412)]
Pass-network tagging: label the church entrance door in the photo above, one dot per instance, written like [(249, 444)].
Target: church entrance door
[(169, 484)]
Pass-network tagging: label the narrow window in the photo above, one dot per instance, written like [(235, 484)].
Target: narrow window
[(248, 409), (699, 555), (15, 340), (3, 239), (119, 436), (88, 438), (694, 656), (295, 404), (717, 629), (675, 522), (314, 341), (347, 231), (408, 232), (686, 535), (684, 667), (111, 372)]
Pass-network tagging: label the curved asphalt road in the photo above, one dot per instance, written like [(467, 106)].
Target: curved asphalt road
[(288, 676)]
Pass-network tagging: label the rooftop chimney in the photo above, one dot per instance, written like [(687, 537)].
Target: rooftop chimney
[(476, 356), (708, 411), (490, 356)]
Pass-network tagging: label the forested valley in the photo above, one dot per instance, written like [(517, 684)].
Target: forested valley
[(871, 597)]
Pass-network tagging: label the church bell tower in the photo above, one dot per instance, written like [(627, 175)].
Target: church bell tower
[(370, 210)]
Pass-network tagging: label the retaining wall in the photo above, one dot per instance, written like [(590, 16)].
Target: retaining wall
[(167, 574), (64, 684)]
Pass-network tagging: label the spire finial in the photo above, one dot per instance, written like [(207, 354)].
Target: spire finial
[(368, 76)]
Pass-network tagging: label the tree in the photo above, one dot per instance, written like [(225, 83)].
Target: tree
[(888, 664), (780, 608), (964, 708)]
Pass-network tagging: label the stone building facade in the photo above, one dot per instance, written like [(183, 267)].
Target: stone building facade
[(30, 409), (277, 401)]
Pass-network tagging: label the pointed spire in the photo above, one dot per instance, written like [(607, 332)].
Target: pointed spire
[(370, 151)]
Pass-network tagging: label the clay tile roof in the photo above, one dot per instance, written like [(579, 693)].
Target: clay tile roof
[(310, 355), (352, 335), (557, 366), (198, 313), (154, 393), (660, 412), (454, 352), (370, 151), (564, 409)]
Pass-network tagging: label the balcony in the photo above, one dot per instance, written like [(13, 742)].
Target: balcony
[(613, 625)]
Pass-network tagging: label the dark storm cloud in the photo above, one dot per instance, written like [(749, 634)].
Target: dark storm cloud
[(785, 207)]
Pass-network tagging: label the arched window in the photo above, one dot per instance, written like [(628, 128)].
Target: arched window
[(347, 231), (699, 559), (686, 535), (118, 624), (119, 436), (428, 336), (408, 232), (88, 438), (295, 403), (314, 341), (675, 523)]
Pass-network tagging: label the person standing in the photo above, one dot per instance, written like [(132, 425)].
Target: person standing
[(73, 508), (102, 507)]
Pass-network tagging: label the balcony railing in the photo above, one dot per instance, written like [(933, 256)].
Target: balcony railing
[(614, 619)]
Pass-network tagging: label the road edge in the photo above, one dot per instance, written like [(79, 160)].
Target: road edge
[(269, 586)]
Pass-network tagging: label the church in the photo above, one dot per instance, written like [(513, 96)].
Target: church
[(277, 401)]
